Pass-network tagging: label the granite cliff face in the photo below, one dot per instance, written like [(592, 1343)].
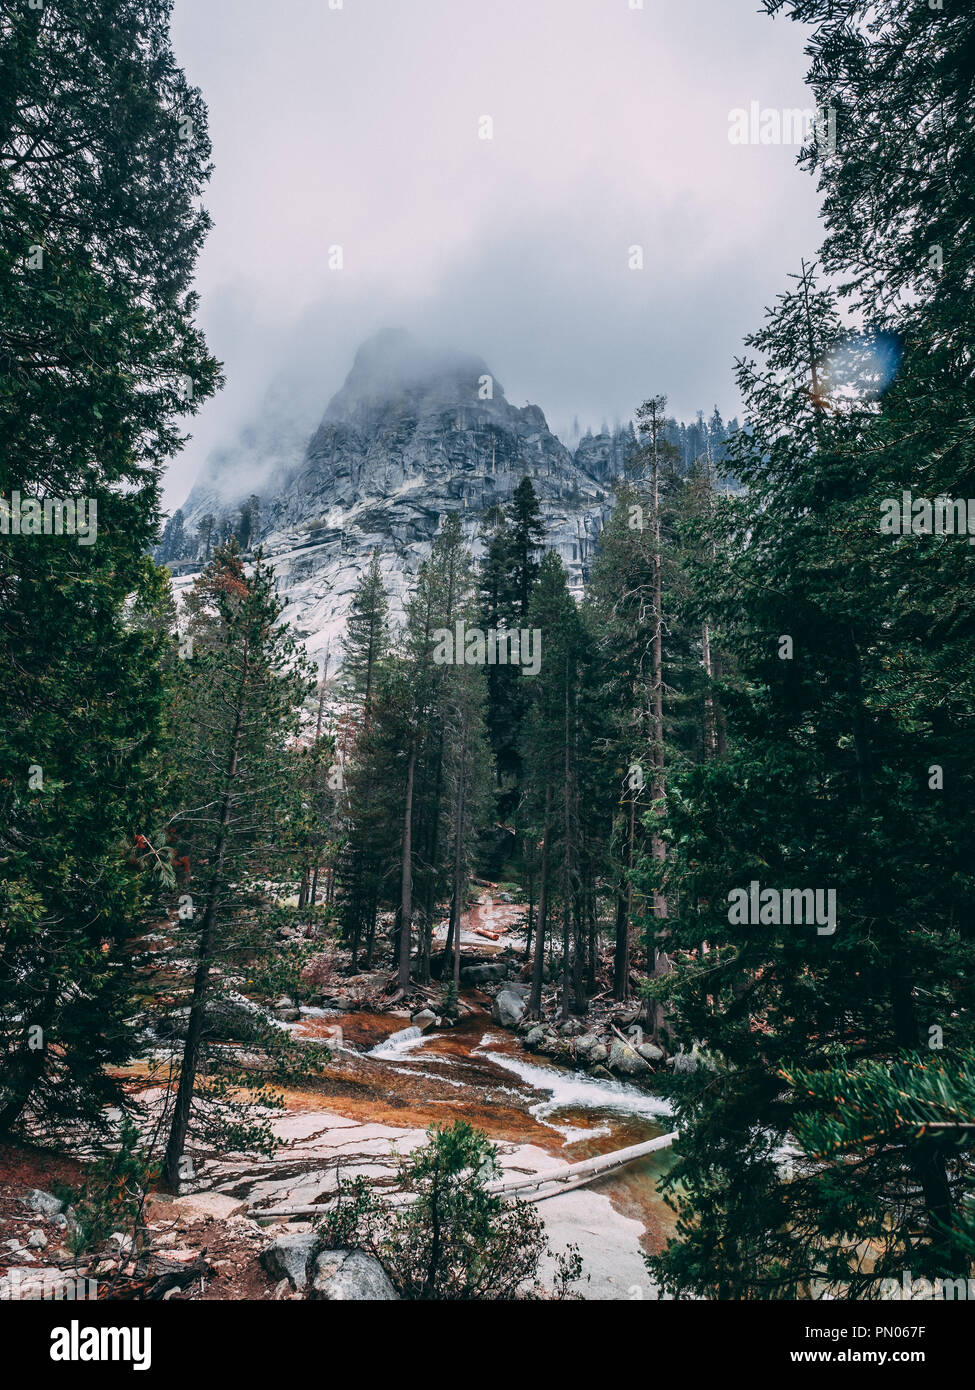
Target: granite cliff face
[(411, 436)]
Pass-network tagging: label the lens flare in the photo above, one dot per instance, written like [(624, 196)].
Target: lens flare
[(860, 367)]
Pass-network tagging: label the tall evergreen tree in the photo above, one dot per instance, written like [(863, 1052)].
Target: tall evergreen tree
[(242, 708), (835, 726), (99, 359), (552, 747), (513, 536)]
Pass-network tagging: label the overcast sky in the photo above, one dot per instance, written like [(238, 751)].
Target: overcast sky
[(359, 126)]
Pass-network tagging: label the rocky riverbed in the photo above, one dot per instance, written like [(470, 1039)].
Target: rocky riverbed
[(548, 1093)]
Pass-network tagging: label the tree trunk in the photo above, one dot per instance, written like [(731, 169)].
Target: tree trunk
[(592, 953), (538, 968), (710, 730), (657, 847), (621, 953), (431, 883), (406, 899), (566, 985), (201, 981), (624, 916), (458, 868), (579, 1003), (371, 935), (453, 941)]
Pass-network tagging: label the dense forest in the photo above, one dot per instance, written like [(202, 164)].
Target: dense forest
[(730, 790)]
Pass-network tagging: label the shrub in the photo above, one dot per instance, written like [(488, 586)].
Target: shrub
[(454, 1240)]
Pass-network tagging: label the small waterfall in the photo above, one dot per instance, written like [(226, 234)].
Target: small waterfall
[(397, 1044)]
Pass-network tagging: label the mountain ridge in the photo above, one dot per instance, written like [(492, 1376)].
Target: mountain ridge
[(412, 434)]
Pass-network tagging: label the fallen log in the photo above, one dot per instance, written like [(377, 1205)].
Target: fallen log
[(589, 1168), (561, 1180)]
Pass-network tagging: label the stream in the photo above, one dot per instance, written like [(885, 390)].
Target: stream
[(378, 1096)]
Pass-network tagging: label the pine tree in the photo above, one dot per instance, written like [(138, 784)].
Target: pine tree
[(173, 542), (100, 231), (204, 537), (835, 720), (526, 538), (360, 861), (470, 789), (366, 640), (242, 705), (513, 537), (552, 750)]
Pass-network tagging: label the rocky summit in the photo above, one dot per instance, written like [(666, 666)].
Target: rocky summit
[(411, 435)]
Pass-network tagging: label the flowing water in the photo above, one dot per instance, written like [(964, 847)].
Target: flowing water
[(378, 1096)]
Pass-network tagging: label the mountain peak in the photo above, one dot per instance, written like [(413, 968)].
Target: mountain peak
[(392, 363)]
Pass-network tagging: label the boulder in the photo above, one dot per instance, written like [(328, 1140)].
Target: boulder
[(508, 1008), (206, 1206), (341, 1002), (287, 1015), (572, 1028), (624, 1018), (590, 1050), (44, 1202), (350, 1276), (534, 1036), (626, 1061), (650, 1053), (290, 1257), (37, 1240), (424, 1020)]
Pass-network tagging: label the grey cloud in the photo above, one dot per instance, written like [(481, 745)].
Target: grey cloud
[(359, 127)]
